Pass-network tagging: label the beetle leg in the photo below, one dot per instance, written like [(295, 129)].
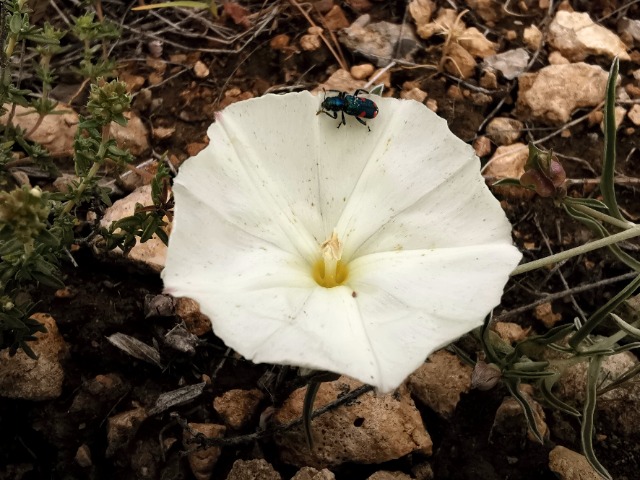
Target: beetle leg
[(362, 122), (333, 115), (343, 122), (360, 90)]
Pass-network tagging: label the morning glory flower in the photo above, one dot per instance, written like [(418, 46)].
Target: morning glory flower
[(343, 250)]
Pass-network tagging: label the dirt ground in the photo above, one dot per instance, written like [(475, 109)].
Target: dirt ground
[(41, 439)]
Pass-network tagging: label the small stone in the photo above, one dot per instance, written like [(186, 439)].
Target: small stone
[(421, 11), (630, 28), (280, 42), (362, 71), (546, 315), (203, 460), (162, 133), (200, 70), (576, 36), (634, 114), (595, 117), (565, 133), (479, 98), (335, 19), (159, 65), (486, 9), (374, 429), (23, 377), (83, 456), (632, 90), (508, 162), (414, 94), (384, 77), (340, 80), (440, 381), (379, 42), (459, 62), (133, 137), (189, 312), (133, 82), (153, 252), (122, 428), (510, 63), (482, 146), (511, 332), (504, 131), (432, 104), (532, 37), (489, 80), (474, 42), (253, 470), (423, 471), (553, 93), (237, 407), (556, 58), (309, 473), (195, 148), (310, 43), (56, 132), (384, 475), (570, 465)]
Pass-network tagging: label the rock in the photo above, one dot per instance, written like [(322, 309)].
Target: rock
[(200, 70), (55, 133), (532, 36), (511, 332), (83, 456), (620, 407), (423, 471), (486, 9), (309, 473), (459, 62), (373, 429), (310, 43), (340, 80), (474, 42), (553, 93), (133, 137), (97, 396), (121, 429), (414, 94), (570, 465), (630, 28), (335, 19), (363, 71), (556, 58), (384, 475), (634, 114), (576, 36), (510, 429), (253, 470), (153, 252), (25, 378), (237, 407), (447, 23), (510, 63), (280, 42), (203, 460), (189, 312), (546, 315), (507, 162), (489, 80), (482, 146), (379, 42), (440, 381), (432, 104), (421, 12), (504, 131)]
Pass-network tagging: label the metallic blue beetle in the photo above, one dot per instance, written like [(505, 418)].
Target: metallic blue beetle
[(358, 107)]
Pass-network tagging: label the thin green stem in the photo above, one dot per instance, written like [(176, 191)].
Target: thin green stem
[(603, 216), (588, 247)]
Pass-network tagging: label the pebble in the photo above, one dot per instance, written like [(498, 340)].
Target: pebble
[(237, 407), (122, 428), (553, 93), (440, 381), (253, 470), (570, 465), (374, 429), (532, 37), (200, 70), (482, 146), (310, 473), (189, 312), (634, 114), (25, 378), (83, 456), (504, 131), (362, 71), (510, 63), (203, 460), (336, 19), (576, 36)]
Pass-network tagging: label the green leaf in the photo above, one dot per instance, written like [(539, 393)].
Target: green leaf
[(545, 386), (514, 182), (307, 410), (587, 429), (512, 385), (628, 329), (607, 182)]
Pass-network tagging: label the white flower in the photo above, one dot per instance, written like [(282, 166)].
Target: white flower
[(336, 249)]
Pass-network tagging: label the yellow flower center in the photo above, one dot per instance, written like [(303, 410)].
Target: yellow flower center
[(329, 271)]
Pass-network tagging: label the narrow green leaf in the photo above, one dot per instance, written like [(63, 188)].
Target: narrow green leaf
[(546, 386), (587, 429), (628, 329), (607, 183), (307, 410), (512, 385)]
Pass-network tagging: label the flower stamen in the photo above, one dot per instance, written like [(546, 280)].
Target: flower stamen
[(330, 271)]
